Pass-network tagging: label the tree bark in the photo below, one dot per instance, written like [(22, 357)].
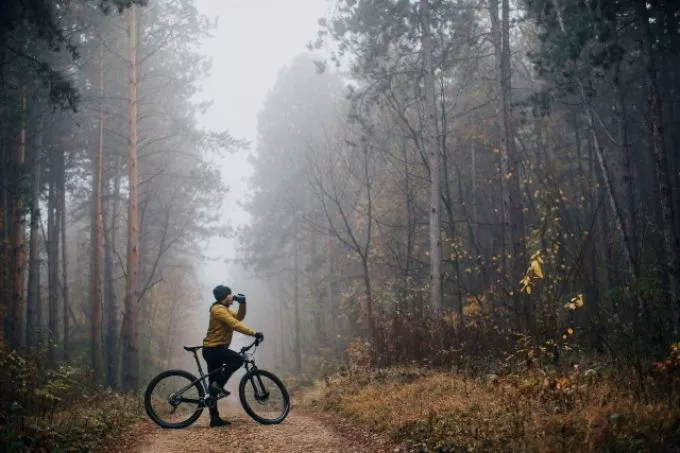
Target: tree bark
[(53, 222), (111, 307), (33, 308), (96, 239), (296, 303), (5, 296), (64, 258), (130, 327), (16, 315), (431, 144), (512, 199), (628, 177)]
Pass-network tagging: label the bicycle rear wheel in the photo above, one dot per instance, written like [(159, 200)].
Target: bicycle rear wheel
[(264, 397), (172, 401)]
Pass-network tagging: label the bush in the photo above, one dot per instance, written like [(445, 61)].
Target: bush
[(54, 409)]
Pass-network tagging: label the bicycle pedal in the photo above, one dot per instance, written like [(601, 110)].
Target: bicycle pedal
[(224, 394)]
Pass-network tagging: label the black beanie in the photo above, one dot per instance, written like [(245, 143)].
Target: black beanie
[(220, 292)]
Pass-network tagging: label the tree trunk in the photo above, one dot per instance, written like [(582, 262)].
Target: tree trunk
[(330, 306), (666, 15), (409, 217), (33, 308), (512, 200), (296, 304), (434, 159), (64, 256), (514, 188), (16, 315), (473, 227), (661, 159), (53, 255), (130, 334), (5, 296), (628, 177), (96, 240), (111, 307)]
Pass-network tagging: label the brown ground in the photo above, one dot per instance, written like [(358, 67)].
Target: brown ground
[(300, 432)]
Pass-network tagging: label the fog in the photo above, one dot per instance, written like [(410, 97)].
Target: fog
[(252, 43), (474, 173)]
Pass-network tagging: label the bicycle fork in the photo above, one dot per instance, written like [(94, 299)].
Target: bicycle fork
[(261, 393)]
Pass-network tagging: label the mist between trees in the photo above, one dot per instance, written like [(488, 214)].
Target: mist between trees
[(503, 183), (108, 186)]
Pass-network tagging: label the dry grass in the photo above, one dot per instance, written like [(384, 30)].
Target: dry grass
[(533, 412)]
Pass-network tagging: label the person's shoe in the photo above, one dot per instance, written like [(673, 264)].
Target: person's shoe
[(217, 391), (216, 421)]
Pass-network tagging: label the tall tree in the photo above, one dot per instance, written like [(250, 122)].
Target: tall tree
[(510, 162), (16, 313), (130, 321), (433, 151), (97, 231), (66, 307), (53, 240), (33, 305)]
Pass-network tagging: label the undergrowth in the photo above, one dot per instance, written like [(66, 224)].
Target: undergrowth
[(56, 409), (542, 410)]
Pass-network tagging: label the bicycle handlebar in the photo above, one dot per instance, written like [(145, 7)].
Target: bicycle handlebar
[(250, 346)]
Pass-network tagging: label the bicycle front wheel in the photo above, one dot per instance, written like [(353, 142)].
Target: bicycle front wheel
[(264, 397), (174, 399)]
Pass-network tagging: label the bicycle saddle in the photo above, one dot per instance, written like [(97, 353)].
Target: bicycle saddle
[(192, 348)]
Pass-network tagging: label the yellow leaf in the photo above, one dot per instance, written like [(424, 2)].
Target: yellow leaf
[(528, 289), (579, 300), (536, 267)]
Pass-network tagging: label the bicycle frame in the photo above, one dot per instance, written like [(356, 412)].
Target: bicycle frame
[(248, 364)]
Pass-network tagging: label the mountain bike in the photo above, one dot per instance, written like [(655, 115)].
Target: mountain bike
[(176, 398)]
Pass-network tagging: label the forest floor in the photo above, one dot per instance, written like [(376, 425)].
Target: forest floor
[(301, 432), (433, 411)]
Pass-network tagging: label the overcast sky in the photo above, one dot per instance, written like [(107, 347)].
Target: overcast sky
[(254, 40)]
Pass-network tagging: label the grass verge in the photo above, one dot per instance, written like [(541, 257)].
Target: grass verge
[(532, 412)]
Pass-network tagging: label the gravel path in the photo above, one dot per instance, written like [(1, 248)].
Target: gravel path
[(300, 432)]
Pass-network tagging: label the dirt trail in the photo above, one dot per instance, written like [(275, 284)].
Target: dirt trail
[(299, 433)]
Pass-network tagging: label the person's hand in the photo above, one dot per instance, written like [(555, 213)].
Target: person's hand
[(259, 336)]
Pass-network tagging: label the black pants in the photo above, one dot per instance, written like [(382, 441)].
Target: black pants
[(217, 356)]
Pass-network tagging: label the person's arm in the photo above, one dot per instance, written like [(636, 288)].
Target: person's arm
[(223, 314), (241, 311)]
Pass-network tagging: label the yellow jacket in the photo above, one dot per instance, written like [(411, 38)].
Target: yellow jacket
[(223, 322)]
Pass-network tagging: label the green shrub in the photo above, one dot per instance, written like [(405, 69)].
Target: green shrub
[(54, 409)]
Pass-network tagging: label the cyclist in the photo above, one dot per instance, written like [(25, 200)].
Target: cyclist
[(216, 352)]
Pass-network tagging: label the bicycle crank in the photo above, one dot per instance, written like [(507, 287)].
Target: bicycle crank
[(209, 401)]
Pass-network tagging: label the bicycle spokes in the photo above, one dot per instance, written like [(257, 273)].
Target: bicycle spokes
[(264, 398), (174, 399)]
